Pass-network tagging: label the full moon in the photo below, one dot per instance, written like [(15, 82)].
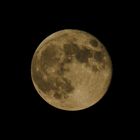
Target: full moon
[(71, 70)]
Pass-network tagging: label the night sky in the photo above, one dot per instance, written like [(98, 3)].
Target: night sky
[(25, 26)]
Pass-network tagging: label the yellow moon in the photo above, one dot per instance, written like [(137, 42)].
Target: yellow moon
[(71, 70)]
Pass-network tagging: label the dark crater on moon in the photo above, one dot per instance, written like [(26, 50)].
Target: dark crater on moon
[(49, 56), (93, 42), (70, 49), (82, 55), (60, 86), (99, 56)]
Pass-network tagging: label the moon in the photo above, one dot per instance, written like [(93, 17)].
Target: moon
[(71, 70)]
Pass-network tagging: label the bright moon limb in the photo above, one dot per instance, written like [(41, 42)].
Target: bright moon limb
[(71, 70)]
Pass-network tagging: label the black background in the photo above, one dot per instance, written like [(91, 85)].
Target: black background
[(25, 26)]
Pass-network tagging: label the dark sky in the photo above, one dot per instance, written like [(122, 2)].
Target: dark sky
[(25, 26)]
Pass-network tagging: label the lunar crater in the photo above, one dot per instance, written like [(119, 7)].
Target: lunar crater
[(83, 55), (93, 42)]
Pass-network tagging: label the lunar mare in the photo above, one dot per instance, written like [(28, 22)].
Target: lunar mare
[(71, 70)]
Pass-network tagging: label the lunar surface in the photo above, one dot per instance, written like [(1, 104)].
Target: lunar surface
[(71, 70)]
